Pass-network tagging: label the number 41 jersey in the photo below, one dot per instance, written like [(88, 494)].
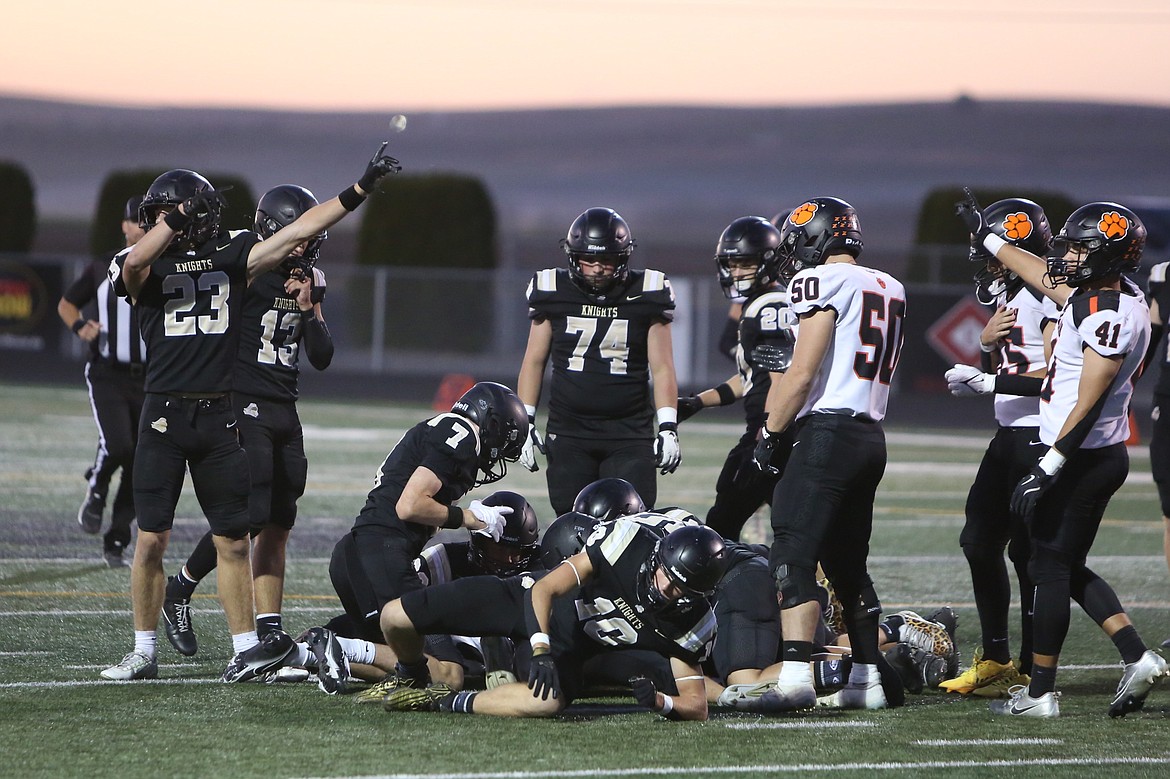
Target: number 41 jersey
[(600, 379), (855, 377)]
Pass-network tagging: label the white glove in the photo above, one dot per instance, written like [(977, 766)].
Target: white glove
[(667, 453), (965, 381), (492, 517), (531, 444)]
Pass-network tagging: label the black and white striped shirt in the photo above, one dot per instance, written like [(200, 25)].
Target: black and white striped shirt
[(120, 341)]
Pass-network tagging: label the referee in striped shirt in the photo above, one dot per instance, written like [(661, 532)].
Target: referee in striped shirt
[(114, 375)]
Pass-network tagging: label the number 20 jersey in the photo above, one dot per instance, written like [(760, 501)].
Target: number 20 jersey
[(189, 311), (270, 337), (600, 371), (855, 376)]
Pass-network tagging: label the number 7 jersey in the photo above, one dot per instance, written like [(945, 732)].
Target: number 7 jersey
[(855, 377)]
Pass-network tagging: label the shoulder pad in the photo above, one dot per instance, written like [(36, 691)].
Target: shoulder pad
[(318, 277), (777, 298), (1158, 273), (1090, 303), (654, 280), (544, 281)]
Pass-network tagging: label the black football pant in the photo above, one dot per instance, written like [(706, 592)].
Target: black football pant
[(371, 566), (1160, 450), (742, 487), (116, 396), (574, 463)]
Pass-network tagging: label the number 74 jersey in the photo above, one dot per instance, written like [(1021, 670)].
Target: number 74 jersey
[(859, 365)]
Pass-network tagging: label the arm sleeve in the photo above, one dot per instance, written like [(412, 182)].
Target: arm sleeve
[(318, 342)]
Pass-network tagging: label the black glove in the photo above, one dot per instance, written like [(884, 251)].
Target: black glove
[(644, 692), (1029, 491), (688, 407), (762, 456), (542, 676), (968, 210), (204, 203), (380, 166)]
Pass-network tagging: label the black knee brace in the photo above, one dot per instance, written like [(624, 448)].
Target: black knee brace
[(795, 585)]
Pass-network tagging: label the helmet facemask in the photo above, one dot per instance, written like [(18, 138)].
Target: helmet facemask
[(605, 283)]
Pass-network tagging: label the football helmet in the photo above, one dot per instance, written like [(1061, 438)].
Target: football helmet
[(1105, 239), (609, 498), (169, 190), (565, 537), (694, 559), (130, 212), (518, 547), (281, 206), (815, 230), (748, 240), (1021, 223), (598, 235), (503, 426)]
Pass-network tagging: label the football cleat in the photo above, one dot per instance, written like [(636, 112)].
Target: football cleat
[(290, 674), (332, 664), (917, 631), (377, 692), (918, 670), (986, 679), (135, 665), (767, 697), (416, 699), (856, 696), (180, 629), (1137, 679), (89, 516), (113, 558), (1021, 704), (269, 655)]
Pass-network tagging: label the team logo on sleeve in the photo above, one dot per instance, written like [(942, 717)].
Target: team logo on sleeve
[(802, 214), (1113, 225), (1017, 226)]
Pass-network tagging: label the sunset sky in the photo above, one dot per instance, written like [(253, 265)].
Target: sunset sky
[(499, 54)]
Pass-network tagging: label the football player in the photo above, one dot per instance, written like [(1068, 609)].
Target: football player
[(1100, 343), (835, 392), (1015, 344), (281, 314), (187, 278), (1158, 296), (607, 499), (627, 589), (748, 266), (607, 330)]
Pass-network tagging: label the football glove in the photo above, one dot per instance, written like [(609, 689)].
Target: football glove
[(204, 203), (645, 693), (542, 676), (965, 381), (688, 407), (968, 210), (532, 445), (765, 448), (379, 167), (1029, 491), (775, 358), (667, 453), (492, 517)]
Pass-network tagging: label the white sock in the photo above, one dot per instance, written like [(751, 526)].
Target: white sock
[(862, 675), (357, 650), (146, 642), (242, 642), (794, 674), (303, 658)]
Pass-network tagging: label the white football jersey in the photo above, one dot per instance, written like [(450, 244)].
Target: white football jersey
[(1110, 323), (1023, 352), (855, 376)]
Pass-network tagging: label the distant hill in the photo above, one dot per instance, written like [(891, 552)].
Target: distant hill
[(677, 174)]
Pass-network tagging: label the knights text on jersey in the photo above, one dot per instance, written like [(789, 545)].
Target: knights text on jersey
[(610, 609), (1112, 323), (600, 370), (270, 337), (448, 446), (766, 319), (1159, 291), (189, 310), (1023, 352), (870, 305)]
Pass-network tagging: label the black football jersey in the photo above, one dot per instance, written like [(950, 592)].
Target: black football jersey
[(189, 311), (446, 444), (600, 371), (444, 563), (1159, 292), (270, 337), (766, 319), (609, 611)]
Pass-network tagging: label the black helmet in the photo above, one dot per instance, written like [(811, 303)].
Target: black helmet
[(693, 557), (171, 189), (130, 212), (281, 206), (565, 537), (521, 533), (1110, 238), (816, 229), (503, 426), (598, 234), (749, 239), (609, 498), (1021, 223)]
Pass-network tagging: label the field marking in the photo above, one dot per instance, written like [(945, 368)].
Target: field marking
[(23, 654), (811, 725), (776, 769), (104, 682), (986, 742)]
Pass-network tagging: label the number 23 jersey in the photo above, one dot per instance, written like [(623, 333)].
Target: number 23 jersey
[(859, 365), (600, 368)]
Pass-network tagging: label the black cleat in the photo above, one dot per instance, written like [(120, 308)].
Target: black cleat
[(332, 664), (270, 654), (176, 614), (89, 516)]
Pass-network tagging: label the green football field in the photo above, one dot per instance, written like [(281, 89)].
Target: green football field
[(64, 617)]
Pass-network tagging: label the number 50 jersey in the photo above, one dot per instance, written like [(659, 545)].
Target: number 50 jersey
[(600, 379), (855, 377)]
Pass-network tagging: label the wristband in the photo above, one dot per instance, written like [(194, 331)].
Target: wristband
[(454, 518), (539, 638), (80, 323), (667, 415), (993, 243), (351, 199), (309, 316), (1052, 462), (176, 219), (667, 705), (726, 394)]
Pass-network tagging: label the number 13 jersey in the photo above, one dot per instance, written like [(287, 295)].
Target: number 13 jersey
[(855, 377)]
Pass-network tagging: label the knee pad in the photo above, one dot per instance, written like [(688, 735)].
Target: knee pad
[(795, 585), (867, 604), (1048, 565)]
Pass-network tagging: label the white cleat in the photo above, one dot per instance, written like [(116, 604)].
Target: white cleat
[(1021, 704)]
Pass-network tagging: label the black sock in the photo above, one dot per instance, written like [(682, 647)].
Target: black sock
[(1129, 644), (797, 651), (268, 623), (416, 671), (180, 587), (1043, 680), (892, 625), (831, 674), (458, 702)]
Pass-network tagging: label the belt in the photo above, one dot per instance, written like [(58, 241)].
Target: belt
[(135, 369), (196, 395)]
